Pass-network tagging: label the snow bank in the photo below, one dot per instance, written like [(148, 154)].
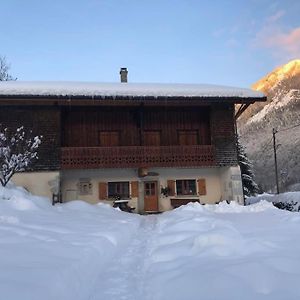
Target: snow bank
[(56, 252), (290, 199), (226, 251)]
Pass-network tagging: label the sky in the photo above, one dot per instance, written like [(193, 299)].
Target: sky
[(229, 42)]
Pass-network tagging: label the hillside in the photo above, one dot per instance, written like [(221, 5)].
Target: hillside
[(282, 112)]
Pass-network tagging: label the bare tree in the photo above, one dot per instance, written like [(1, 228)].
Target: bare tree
[(17, 151), (4, 70)]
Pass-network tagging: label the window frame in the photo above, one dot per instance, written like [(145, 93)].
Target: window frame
[(185, 187), (118, 185)]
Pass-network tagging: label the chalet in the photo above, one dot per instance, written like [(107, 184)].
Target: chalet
[(157, 145)]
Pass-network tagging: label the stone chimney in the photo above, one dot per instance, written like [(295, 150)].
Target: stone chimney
[(123, 73)]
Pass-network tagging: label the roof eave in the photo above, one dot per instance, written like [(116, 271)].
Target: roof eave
[(120, 100)]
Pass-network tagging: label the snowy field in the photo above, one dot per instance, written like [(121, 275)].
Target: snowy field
[(79, 251)]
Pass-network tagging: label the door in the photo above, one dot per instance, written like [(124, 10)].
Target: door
[(150, 196)]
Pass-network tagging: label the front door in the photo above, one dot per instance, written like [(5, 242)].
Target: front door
[(150, 196)]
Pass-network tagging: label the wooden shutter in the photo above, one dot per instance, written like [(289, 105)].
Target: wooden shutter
[(188, 137), (152, 138), (109, 138), (102, 190), (201, 187), (134, 188), (171, 186)]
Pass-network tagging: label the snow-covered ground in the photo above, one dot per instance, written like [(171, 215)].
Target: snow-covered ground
[(79, 251), (57, 252), (290, 198)]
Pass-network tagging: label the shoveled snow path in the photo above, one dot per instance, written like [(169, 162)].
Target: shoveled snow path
[(125, 278)]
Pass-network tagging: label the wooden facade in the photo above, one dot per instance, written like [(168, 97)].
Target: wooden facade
[(116, 135), (108, 137), (114, 126), (80, 137)]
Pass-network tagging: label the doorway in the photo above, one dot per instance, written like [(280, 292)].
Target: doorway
[(150, 196)]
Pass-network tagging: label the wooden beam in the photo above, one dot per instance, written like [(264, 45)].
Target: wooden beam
[(241, 109), (141, 124), (36, 100)]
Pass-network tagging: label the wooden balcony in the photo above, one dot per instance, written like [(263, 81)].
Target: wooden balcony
[(137, 156)]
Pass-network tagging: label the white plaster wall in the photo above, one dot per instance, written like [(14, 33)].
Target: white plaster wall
[(36, 183), (211, 176), (70, 180), (221, 183)]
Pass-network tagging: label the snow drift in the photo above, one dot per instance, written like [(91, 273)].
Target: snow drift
[(79, 251), (56, 252)]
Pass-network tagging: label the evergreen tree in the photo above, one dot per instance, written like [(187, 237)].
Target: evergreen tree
[(249, 185)]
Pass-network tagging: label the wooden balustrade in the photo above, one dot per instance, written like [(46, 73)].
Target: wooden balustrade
[(137, 156)]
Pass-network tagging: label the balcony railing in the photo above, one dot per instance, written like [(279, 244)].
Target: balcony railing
[(137, 156)]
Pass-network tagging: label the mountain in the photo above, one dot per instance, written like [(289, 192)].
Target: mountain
[(285, 72), (282, 112)]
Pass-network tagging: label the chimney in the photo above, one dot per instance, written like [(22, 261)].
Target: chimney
[(123, 73)]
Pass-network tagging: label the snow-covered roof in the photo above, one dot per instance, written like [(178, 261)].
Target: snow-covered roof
[(95, 89)]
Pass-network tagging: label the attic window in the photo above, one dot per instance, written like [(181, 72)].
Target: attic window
[(188, 137), (109, 138), (152, 138)]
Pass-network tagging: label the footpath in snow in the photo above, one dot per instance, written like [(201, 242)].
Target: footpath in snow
[(125, 277), (78, 251)]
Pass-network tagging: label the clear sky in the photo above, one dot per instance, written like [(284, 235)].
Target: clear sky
[(230, 42)]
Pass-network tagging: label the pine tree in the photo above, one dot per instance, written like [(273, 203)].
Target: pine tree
[(249, 185)]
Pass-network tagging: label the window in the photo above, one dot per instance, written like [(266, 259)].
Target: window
[(188, 137), (186, 187), (85, 186), (118, 189), (150, 188), (109, 138)]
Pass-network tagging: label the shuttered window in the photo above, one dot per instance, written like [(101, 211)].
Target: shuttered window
[(201, 187), (152, 138), (171, 187), (188, 137), (134, 189), (109, 138), (102, 190), (186, 187)]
